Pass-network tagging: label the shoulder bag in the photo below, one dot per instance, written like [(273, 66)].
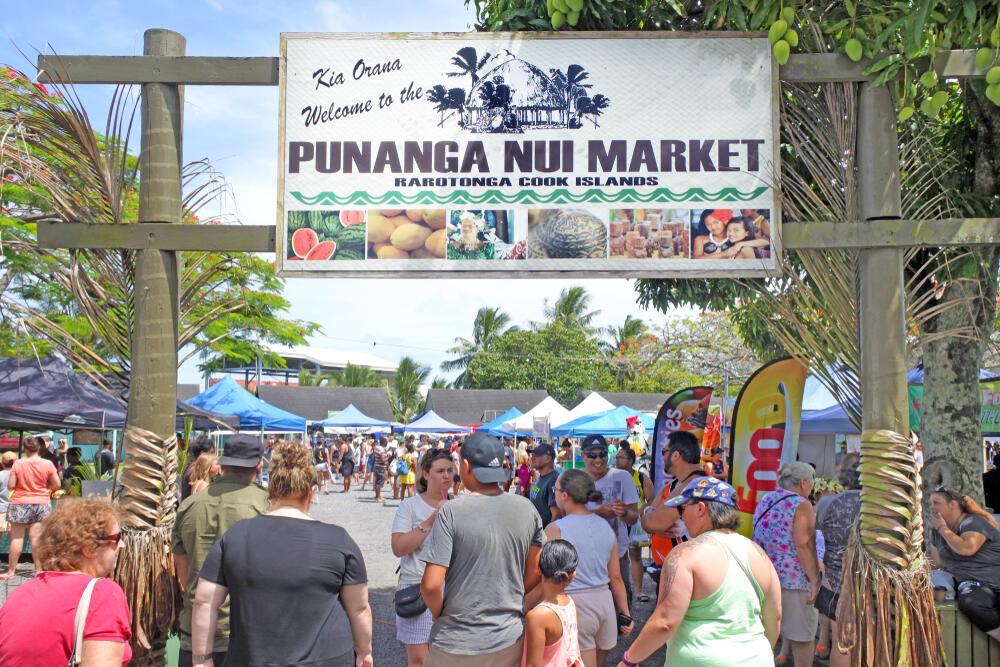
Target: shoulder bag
[(771, 507), (409, 602), (76, 657)]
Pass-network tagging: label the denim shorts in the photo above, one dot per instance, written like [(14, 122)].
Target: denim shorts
[(28, 513)]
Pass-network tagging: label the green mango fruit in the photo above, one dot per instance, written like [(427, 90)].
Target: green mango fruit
[(788, 15), (928, 79), (575, 5), (561, 6), (792, 38), (993, 75), (984, 57), (905, 113), (778, 28), (781, 51), (993, 93), (995, 37), (558, 19), (853, 49), (573, 18)]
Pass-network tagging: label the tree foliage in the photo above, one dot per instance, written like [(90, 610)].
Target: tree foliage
[(561, 360), (403, 391), (55, 166)]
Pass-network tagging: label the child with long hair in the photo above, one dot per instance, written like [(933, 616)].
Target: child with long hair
[(551, 627)]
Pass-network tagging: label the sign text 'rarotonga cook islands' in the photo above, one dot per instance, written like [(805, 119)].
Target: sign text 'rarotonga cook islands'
[(514, 154)]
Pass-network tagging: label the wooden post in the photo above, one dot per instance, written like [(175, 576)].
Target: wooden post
[(152, 401), (881, 324)]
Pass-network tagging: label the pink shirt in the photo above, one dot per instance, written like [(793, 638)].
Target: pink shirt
[(36, 621), (32, 481), (566, 651)]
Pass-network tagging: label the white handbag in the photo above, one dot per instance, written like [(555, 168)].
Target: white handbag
[(76, 657)]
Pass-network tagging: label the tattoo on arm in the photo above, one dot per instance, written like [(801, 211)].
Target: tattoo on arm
[(673, 560)]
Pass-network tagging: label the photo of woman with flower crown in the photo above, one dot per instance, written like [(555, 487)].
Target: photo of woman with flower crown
[(483, 235)]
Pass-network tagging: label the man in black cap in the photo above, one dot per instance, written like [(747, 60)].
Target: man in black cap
[(203, 518), (620, 506), (482, 556), (543, 490)]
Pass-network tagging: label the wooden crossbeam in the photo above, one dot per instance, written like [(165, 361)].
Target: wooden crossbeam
[(157, 236), (892, 233), (185, 70), (263, 71)]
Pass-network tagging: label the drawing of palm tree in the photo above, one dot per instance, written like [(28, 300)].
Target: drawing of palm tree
[(592, 106), (468, 62), (575, 74), (446, 100)]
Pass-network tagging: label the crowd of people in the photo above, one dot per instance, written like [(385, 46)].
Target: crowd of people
[(505, 558)]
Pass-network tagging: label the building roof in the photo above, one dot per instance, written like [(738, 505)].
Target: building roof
[(478, 406), (186, 391), (333, 358), (650, 403), (315, 403)]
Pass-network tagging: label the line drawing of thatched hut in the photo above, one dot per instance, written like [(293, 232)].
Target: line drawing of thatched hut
[(533, 101), (514, 95)]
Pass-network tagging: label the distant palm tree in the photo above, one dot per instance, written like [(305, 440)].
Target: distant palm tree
[(571, 309), (351, 376), (617, 337), (359, 376), (316, 378), (440, 383), (486, 328), (403, 391)]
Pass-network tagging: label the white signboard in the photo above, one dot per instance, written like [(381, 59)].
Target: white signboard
[(497, 154)]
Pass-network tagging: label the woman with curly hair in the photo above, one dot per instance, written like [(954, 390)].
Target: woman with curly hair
[(79, 544), (297, 587)]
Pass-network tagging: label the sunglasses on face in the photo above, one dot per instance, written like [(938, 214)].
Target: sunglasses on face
[(114, 539), (597, 455)]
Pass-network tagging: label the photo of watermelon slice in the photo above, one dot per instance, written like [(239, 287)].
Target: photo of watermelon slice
[(304, 240), (322, 251)]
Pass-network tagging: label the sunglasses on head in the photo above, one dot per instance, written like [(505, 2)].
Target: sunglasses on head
[(596, 455)]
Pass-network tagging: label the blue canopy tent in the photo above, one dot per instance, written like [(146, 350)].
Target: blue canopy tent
[(431, 422), (255, 415), (495, 427), (352, 418), (828, 420), (610, 423)]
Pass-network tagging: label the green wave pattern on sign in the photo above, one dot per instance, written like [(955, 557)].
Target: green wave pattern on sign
[(561, 196)]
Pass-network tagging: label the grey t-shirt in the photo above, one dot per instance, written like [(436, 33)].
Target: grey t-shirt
[(483, 540), (982, 566), (617, 485)]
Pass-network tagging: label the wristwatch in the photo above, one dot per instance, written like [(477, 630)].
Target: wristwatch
[(207, 657)]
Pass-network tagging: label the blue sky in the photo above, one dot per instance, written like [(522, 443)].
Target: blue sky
[(237, 129)]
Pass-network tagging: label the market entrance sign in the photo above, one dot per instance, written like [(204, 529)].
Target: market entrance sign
[(499, 154)]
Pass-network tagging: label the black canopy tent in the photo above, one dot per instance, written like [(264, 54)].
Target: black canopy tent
[(44, 393)]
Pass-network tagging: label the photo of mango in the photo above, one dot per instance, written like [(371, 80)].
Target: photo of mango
[(407, 233)]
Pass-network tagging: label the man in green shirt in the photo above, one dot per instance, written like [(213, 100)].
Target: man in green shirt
[(202, 519)]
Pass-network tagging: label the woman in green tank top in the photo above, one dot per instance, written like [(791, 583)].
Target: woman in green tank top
[(721, 599)]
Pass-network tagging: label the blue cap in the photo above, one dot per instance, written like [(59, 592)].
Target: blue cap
[(705, 488)]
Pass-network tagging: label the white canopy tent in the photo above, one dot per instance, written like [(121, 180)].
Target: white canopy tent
[(549, 407), (591, 405)]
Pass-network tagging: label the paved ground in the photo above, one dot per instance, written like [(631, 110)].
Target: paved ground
[(370, 523)]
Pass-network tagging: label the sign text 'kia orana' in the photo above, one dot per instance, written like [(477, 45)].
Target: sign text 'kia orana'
[(590, 154)]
